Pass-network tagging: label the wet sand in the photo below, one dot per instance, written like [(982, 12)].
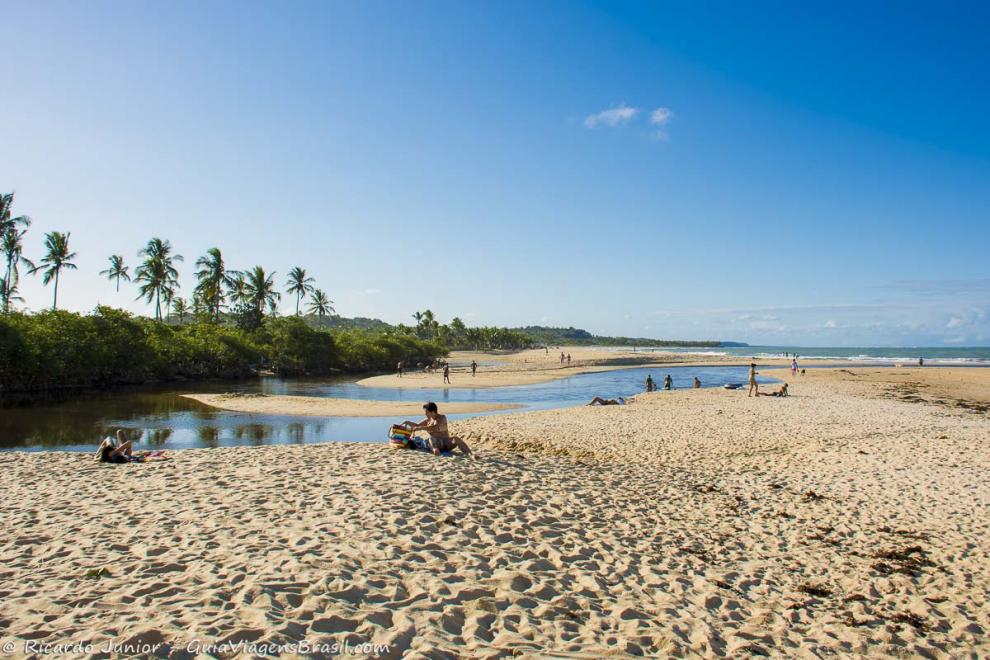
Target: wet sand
[(315, 406)]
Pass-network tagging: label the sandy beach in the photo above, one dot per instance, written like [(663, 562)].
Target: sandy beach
[(315, 406), (694, 522), (529, 367)]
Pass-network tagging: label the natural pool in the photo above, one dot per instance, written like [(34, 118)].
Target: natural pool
[(166, 420)]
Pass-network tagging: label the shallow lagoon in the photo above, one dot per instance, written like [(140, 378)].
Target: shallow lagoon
[(163, 419)]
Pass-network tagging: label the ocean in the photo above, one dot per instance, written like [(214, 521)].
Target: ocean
[(933, 355)]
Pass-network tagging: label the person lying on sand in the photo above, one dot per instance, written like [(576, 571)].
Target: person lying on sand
[(598, 401), (781, 392), (123, 452), (435, 425)]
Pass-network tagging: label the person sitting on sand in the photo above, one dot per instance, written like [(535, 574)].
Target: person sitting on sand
[(668, 382), (697, 383), (598, 401), (781, 392), (752, 380), (435, 426), (123, 452)]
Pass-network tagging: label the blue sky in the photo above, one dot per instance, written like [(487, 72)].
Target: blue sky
[(799, 173)]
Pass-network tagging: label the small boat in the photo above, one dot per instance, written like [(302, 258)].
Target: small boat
[(732, 386)]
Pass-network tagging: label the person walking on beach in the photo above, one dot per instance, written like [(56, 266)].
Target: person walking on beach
[(446, 374), (562, 358), (793, 366), (649, 383), (668, 382), (474, 368), (399, 367), (753, 386), (568, 359)]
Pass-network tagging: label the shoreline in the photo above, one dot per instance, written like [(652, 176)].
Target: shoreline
[(314, 406), (535, 366)]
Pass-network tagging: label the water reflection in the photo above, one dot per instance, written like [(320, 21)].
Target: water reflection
[(158, 417)]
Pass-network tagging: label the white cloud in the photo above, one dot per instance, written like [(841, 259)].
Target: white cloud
[(830, 324), (616, 116), (661, 116), (954, 322), (371, 292)]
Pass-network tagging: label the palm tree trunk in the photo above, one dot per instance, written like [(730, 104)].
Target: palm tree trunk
[(8, 286), (118, 283), (55, 299), (158, 306), (297, 304)]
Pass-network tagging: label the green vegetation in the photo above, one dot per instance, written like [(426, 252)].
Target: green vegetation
[(53, 350)]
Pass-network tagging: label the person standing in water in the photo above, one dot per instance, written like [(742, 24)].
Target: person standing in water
[(753, 386), (649, 383), (668, 382), (697, 383)]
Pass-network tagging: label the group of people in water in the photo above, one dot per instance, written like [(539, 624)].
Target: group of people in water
[(668, 383)]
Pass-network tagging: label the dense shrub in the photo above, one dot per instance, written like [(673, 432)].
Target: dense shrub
[(57, 349)]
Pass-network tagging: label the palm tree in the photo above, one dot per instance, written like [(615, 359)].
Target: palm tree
[(320, 304), (299, 284), (237, 288), (180, 308), (12, 246), (56, 258), (260, 291), (157, 274), (117, 270), (213, 278), (9, 292)]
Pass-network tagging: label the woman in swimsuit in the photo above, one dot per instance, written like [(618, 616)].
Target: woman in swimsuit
[(435, 425), (123, 452)]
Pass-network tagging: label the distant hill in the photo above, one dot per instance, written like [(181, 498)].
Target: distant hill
[(576, 336), (538, 334)]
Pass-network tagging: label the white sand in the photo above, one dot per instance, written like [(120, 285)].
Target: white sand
[(687, 523)]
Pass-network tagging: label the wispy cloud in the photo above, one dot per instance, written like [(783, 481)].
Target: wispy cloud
[(938, 286), (371, 292), (612, 117), (661, 116)]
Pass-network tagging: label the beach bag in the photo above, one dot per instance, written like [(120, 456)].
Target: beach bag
[(399, 437)]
